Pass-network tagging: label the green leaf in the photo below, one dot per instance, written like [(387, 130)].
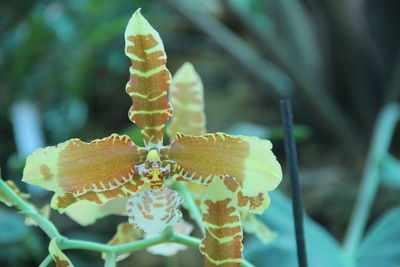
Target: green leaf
[(390, 171), (381, 246), (282, 252)]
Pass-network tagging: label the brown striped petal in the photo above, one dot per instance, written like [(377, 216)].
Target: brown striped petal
[(61, 201), (222, 244), (58, 256), (149, 80), (256, 204), (76, 167), (249, 160), (186, 96)]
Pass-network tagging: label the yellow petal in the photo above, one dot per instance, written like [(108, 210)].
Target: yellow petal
[(222, 244), (77, 167), (186, 96), (254, 226), (149, 80), (86, 212), (249, 160), (58, 256)]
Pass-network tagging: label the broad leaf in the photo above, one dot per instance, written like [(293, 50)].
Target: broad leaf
[(381, 246), (390, 171), (322, 249)]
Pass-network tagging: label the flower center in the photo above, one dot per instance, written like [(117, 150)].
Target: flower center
[(154, 169)]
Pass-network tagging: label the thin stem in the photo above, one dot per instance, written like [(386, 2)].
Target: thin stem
[(189, 203), (382, 136), (111, 260), (139, 245), (291, 157), (46, 261), (186, 240), (65, 243), (46, 225)]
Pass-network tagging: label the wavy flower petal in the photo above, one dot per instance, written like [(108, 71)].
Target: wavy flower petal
[(186, 96), (256, 204), (153, 211), (61, 201), (149, 80), (222, 244), (248, 159), (77, 167)]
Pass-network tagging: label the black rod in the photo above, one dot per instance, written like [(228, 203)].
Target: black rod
[(297, 203)]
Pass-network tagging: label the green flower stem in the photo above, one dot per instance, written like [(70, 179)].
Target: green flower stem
[(141, 244), (111, 260), (189, 203), (186, 240), (65, 243), (382, 136), (46, 225), (46, 261)]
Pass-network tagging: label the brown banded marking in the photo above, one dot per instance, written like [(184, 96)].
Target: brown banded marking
[(222, 243), (186, 96), (61, 201), (211, 156), (216, 156), (149, 80), (256, 204), (77, 167)]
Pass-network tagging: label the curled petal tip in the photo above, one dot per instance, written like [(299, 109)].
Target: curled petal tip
[(139, 25)]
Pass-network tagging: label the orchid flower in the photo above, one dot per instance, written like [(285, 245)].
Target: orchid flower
[(238, 170)]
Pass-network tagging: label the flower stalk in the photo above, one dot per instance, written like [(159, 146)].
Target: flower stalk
[(291, 154), (190, 205)]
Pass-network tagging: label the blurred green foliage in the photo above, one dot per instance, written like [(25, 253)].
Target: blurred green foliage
[(338, 60)]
